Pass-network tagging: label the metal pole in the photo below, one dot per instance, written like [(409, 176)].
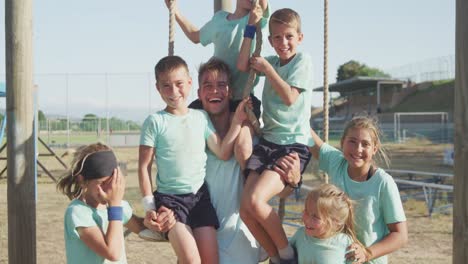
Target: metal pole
[(21, 161)]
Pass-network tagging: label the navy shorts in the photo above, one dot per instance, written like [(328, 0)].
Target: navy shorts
[(265, 154), (197, 104), (194, 210)]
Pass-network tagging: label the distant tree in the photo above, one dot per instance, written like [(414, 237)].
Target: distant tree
[(41, 116), (354, 68), (42, 120), (89, 122)]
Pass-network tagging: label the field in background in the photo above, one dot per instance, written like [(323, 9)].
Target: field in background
[(430, 238)]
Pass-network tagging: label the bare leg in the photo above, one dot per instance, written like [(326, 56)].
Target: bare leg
[(184, 244), (258, 215), (207, 244)]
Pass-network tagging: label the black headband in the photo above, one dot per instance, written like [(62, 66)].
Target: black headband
[(99, 164)]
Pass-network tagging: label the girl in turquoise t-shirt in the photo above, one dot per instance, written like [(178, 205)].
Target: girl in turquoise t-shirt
[(379, 215), (95, 217), (328, 227)]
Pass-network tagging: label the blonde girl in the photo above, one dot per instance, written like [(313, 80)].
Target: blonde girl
[(380, 219), (328, 227), (95, 217)]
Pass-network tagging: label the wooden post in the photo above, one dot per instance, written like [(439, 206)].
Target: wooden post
[(460, 206), (20, 133), (222, 5)]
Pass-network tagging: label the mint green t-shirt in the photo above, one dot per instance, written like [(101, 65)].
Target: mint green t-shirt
[(227, 36), (378, 201), (235, 242), (312, 250), (289, 124), (79, 214), (179, 143)]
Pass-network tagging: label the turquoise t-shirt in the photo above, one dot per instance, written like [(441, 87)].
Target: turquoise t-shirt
[(227, 36), (289, 124), (378, 201), (235, 242), (312, 250), (79, 214), (180, 143)]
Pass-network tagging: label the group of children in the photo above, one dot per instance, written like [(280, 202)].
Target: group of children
[(359, 219)]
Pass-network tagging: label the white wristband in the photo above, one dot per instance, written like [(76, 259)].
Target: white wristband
[(148, 203)]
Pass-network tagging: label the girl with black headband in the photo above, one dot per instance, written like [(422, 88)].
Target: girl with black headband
[(95, 217)]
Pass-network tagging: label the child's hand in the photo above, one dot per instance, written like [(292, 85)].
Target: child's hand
[(168, 4), (113, 189), (240, 115), (256, 13), (162, 221), (289, 168), (357, 254), (259, 64)]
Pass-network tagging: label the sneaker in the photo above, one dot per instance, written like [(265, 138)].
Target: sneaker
[(289, 261), (150, 235), (263, 255)]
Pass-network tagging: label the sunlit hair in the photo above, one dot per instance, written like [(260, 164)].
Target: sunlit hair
[(335, 210), (169, 64), (371, 124), (69, 183), (286, 16), (214, 65)]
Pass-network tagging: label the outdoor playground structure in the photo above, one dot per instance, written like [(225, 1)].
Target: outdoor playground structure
[(21, 136)]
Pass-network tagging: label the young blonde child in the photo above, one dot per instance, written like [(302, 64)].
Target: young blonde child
[(177, 137), (95, 218), (328, 227), (380, 219), (225, 31), (286, 111)]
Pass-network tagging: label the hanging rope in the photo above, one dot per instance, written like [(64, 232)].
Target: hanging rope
[(253, 74), (325, 76), (171, 27)]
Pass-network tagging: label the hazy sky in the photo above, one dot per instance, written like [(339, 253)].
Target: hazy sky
[(126, 38)]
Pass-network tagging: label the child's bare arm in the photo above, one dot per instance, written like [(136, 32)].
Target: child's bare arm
[(135, 224), (263, 4), (287, 93), (190, 30), (145, 162), (396, 239), (315, 149), (244, 54), (243, 147), (107, 245), (223, 148)]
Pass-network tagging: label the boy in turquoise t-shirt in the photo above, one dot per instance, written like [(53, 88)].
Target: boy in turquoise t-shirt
[(286, 111), (226, 30), (177, 137)]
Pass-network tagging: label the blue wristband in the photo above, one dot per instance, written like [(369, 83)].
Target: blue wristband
[(250, 31), (114, 213)]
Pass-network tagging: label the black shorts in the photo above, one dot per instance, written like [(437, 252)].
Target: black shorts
[(265, 154), (197, 104), (194, 210)]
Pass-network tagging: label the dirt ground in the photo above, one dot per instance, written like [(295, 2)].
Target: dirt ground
[(430, 238)]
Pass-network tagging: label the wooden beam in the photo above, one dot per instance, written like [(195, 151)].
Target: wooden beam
[(20, 133), (222, 5), (460, 212)]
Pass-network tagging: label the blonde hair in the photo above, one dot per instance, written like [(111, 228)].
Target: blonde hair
[(286, 16), (336, 210), (214, 65), (168, 64), (371, 124), (69, 184)]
